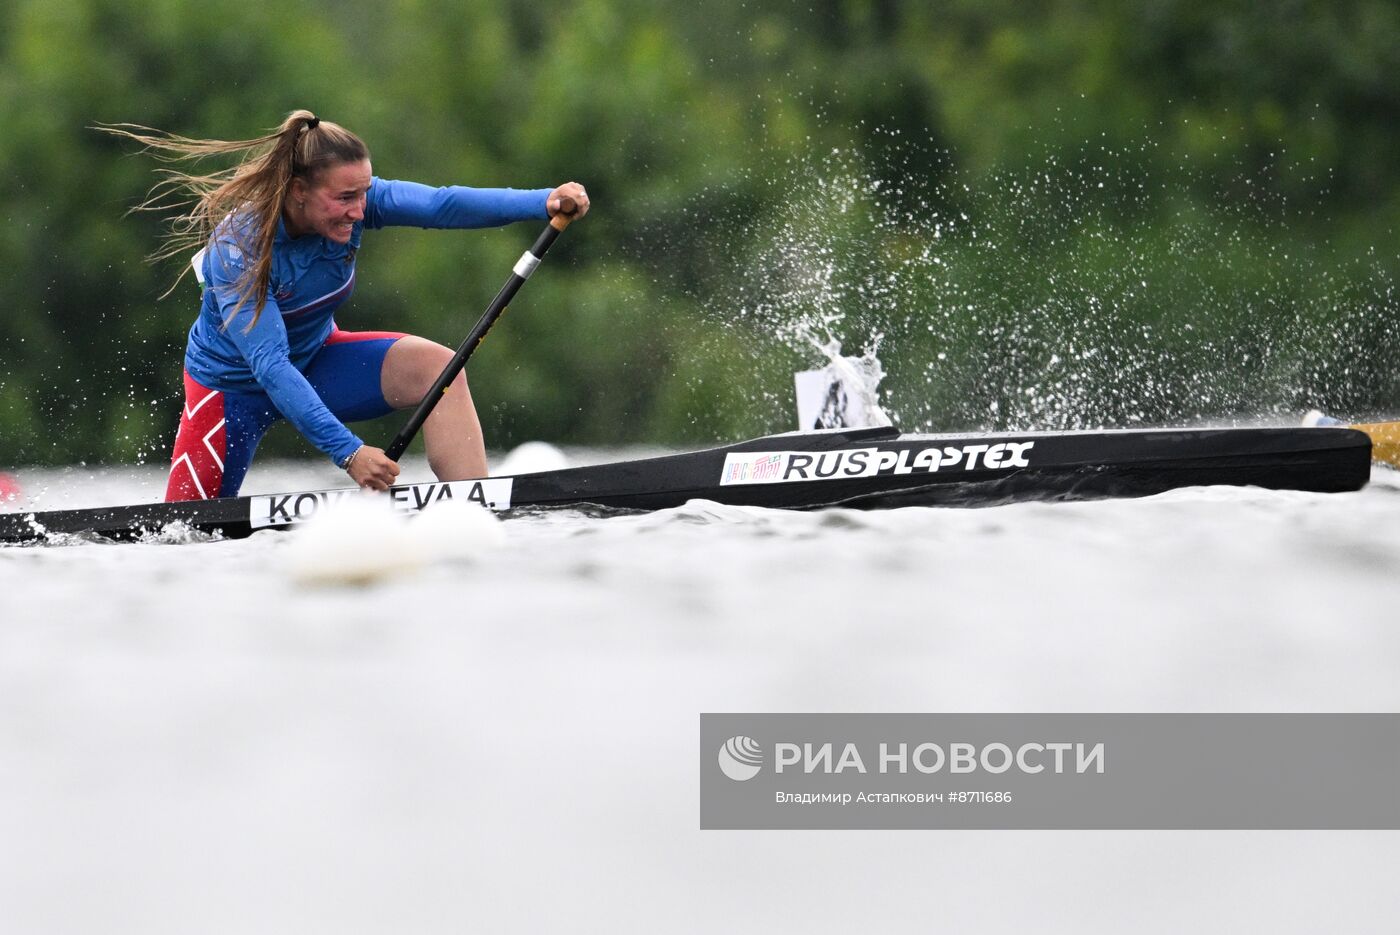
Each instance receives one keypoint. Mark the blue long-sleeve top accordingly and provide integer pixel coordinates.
(310, 277)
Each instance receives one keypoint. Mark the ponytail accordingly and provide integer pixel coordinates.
(244, 201)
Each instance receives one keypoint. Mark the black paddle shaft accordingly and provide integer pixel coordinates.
(523, 269)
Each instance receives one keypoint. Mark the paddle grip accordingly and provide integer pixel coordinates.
(568, 210)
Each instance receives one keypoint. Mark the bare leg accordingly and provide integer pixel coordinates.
(456, 449)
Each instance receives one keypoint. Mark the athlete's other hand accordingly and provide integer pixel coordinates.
(372, 469)
(575, 193)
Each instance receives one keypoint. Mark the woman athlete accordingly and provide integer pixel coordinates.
(280, 233)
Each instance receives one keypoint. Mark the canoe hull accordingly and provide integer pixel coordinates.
(863, 468)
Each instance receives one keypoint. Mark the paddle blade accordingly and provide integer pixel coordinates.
(1385, 441)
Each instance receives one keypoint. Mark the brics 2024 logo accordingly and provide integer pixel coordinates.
(740, 758)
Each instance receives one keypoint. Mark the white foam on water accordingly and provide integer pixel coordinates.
(189, 733)
(358, 542)
(456, 530)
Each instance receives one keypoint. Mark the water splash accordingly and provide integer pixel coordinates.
(1069, 293)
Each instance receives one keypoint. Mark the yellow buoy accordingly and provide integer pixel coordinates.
(1385, 441)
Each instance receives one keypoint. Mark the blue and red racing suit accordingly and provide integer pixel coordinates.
(294, 363)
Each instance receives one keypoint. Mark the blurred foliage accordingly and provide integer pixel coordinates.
(1054, 214)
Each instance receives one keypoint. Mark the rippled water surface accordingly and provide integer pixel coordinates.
(191, 740)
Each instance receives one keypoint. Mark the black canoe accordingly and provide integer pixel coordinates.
(859, 468)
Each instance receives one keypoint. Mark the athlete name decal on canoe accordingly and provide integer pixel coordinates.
(785, 467)
(284, 509)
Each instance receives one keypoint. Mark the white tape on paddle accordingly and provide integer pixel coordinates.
(526, 264)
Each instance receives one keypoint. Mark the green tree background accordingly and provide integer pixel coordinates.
(1042, 215)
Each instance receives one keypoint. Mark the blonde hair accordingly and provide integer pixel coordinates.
(256, 188)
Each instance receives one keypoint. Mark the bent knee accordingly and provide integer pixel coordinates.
(431, 362)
